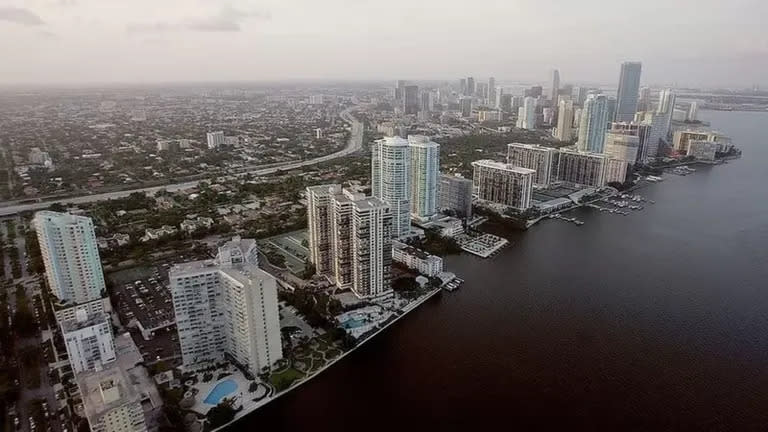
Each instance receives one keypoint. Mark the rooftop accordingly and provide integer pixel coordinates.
(502, 166)
(79, 323)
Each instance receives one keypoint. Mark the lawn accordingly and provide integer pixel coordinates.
(283, 379)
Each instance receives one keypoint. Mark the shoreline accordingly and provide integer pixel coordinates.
(405, 311)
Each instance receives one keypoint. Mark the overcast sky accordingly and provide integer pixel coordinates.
(687, 42)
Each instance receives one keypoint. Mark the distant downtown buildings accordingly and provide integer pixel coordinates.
(227, 306)
(350, 239)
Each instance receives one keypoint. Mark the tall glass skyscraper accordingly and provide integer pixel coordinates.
(425, 171)
(629, 86)
(594, 122)
(391, 180)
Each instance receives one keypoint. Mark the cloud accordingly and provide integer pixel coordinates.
(228, 19)
(20, 16)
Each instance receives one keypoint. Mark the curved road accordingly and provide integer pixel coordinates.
(355, 144)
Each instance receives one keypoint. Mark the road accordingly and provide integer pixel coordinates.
(355, 144)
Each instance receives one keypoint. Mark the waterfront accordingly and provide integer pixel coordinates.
(656, 320)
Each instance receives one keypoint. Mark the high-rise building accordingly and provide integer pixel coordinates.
(492, 91)
(72, 264)
(629, 85)
(594, 122)
(581, 168)
(555, 89)
(88, 340)
(534, 92)
(621, 146)
(526, 115)
(497, 98)
(425, 170)
(215, 139)
(657, 124)
(465, 105)
(535, 157)
(470, 87)
(503, 184)
(391, 179)
(579, 95)
(456, 195)
(702, 150)
(227, 306)
(644, 102)
(693, 112)
(359, 240)
(640, 130)
(667, 99)
(505, 103)
(463, 86)
(615, 170)
(564, 129)
(410, 99)
(427, 102)
(399, 89)
(319, 217)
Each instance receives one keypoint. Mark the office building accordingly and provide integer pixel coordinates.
(410, 99)
(702, 150)
(463, 86)
(505, 103)
(526, 115)
(498, 93)
(579, 95)
(399, 90)
(564, 129)
(581, 168)
(425, 171)
(491, 91)
(470, 87)
(629, 85)
(465, 106)
(535, 157)
(427, 102)
(534, 92)
(120, 396)
(70, 254)
(391, 179)
(621, 146)
(227, 306)
(503, 184)
(89, 341)
(657, 124)
(455, 195)
(555, 89)
(215, 139)
(594, 122)
(644, 101)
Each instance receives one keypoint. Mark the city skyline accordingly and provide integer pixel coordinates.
(147, 42)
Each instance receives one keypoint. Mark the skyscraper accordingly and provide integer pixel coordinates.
(644, 102)
(582, 168)
(564, 129)
(215, 139)
(594, 122)
(470, 87)
(621, 146)
(465, 105)
(399, 89)
(319, 215)
(693, 112)
(498, 97)
(640, 130)
(657, 124)
(553, 92)
(227, 306)
(425, 170)
(535, 157)
(359, 243)
(456, 195)
(492, 91)
(391, 180)
(503, 184)
(629, 85)
(526, 115)
(72, 263)
(666, 108)
(410, 99)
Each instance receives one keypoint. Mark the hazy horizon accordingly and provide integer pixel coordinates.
(97, 42)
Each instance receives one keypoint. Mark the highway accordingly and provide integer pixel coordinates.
(355, 144)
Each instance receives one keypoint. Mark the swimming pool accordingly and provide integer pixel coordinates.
(220, 391)
(353, 323)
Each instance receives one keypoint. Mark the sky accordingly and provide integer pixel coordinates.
(680, 42)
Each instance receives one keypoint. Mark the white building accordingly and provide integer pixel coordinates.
(615, 170)
(621, 146)
(350, 239)
(693, 111)
(526, 115)
(666, 108)
(425, 173)
(391, 179)
(89, 341)
(535, 157)
(503, 184)
(564, 129)
(227, 306)
(70, 254)
(416, 259)
(581, 168)
(594, 122)
(702, 150)
(215, 139)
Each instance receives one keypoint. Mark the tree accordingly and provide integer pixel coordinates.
(222, 413)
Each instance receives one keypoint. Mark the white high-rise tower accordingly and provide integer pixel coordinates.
(391, 180)
(594, 122)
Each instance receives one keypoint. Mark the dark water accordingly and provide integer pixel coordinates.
(653, 321)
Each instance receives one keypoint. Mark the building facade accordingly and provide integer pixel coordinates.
(391, 179)
(89, 341)
(526, 115)
(535, 157)
(581, 168)
(227, 307)
(594, 122)
(371, 248)
(503, 184)
(627, 94)
(425, 171)
(215, 139)
(456, 195)
(416, 259)
(564, 129)
(621, 146)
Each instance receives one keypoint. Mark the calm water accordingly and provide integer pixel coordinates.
(657, 320)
